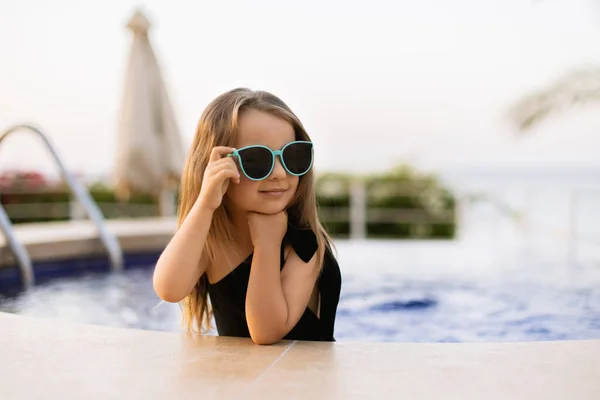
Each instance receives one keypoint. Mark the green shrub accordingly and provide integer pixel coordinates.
(401, 189)
(43, 206)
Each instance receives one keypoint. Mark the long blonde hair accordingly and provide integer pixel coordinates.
(218, 126)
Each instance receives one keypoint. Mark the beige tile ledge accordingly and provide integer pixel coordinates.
(51, 359)
(60, 240)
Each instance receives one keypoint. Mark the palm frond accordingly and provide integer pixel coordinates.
(575, 88)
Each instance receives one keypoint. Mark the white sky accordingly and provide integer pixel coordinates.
(374, 82)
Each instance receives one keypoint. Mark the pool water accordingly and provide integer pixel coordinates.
(392, 291)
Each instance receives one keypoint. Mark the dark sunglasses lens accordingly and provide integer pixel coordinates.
(256, 161)
(298, 157)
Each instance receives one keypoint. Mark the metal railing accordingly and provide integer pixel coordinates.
(109, 240)
(18, 250)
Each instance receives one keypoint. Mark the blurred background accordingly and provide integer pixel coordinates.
(456, 145)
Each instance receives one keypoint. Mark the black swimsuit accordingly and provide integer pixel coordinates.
(228, 296)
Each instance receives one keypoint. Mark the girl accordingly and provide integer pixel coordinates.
(249, 235)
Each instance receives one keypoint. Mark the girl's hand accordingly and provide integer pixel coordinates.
(219, 171)
(267, 230)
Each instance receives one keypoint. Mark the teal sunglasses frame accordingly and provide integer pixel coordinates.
(275, 154)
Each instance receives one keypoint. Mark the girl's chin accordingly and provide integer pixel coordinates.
(268, 210)
(271, 206)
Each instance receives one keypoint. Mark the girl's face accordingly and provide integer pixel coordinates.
(274, 193)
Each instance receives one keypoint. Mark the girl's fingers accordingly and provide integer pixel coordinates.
(218, 165)
(222, 161)
(219, 152)
(228, 174)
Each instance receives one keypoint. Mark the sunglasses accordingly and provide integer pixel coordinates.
(257, 161)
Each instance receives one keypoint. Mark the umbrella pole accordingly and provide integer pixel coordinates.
(166, 203)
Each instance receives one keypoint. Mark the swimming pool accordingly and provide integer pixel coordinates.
(456, 291)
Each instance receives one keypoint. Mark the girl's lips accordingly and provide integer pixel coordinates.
(273, 192)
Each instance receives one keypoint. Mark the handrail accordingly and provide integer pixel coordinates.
(108, 239)
(19, 251)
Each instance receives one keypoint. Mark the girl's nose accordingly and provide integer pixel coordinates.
(278, 170)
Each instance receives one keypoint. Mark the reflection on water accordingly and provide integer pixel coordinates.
(411, 292)
(442, 311)
(116, 299)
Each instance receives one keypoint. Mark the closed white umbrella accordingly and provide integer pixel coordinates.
(150, 154)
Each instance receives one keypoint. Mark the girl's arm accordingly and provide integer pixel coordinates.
(183, 261)
(276, 298)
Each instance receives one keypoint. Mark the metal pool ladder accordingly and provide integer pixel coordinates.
(109, 240)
